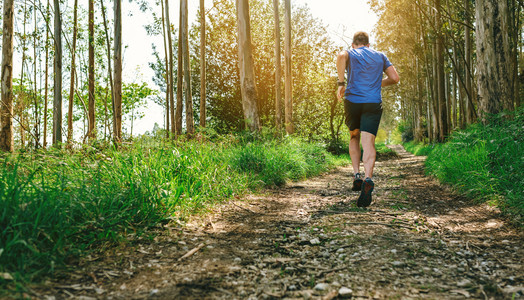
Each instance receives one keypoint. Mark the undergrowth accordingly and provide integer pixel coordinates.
(56, 205)
(485, 162)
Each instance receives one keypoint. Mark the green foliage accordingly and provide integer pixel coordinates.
(57, 205)
(419, 149)
(484, 162)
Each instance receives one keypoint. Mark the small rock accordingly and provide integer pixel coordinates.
(464, 282)
(153, 292)
(398, 263)
(292, 287)
(306, 294)
(315, 241)
(237, 260)
(394, 251)
(340, 250)
(321, 286)
(345, 292)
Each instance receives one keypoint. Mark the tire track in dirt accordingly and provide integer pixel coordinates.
(309, 240)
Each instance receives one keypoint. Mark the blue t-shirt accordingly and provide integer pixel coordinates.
(365, 70)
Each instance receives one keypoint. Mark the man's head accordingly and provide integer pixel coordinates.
(360, 39)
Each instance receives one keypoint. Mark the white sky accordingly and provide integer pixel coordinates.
(343, 17)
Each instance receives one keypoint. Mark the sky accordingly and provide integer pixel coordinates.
(343, 18)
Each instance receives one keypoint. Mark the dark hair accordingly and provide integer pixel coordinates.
(361, 38)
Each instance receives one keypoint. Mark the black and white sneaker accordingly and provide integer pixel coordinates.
(357, 183)
(365, 195)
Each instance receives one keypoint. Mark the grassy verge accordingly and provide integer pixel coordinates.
(57, 205)
(485, 162)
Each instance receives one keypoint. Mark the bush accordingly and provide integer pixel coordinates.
(484, 161)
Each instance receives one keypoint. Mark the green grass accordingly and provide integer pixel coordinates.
(56, 205)
(485, 162)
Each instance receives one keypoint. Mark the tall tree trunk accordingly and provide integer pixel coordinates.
(246, 66)
(20, 104)
(443, 108)
(278, 72)
(57, 101)
(109, 68)
(169, 89)
(287, 68)
(35, 95)
(202, 64)
(435, 97)
(6, 108)
(169, 68)
(494, 80)
(468, 103)
(117, 135)
(91, 89)
(46, 81)
(190, 123)
(179, 82)
(72, 85)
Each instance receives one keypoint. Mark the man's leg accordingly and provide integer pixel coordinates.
(354, 150)
(370, 153)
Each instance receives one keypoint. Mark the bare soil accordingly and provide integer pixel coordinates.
(309, 240)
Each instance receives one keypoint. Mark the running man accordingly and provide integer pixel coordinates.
(363, 105)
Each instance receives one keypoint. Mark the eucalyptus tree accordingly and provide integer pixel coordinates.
(6, 108)
(246, 66)
(278, 113)
(57, 100)
(287, 70)
(190, 123)
(73, 71)
(179, 82)
(202, 64)
(169, 68)
(117, 109)
(495, 78)
(91, 82)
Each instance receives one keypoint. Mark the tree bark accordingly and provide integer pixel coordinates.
(179, 82)
(46, 81)
(109, 68)
(6, 108)
(57, 101)
(190, 123)
(288, 73)
(468, 107)
(494, 80)
(441, 90)
(91, 89)
(246, 66)
(169, 89)
(202, 64)
(72, 85)
(117, 135)
(169, 68)
(278, 71)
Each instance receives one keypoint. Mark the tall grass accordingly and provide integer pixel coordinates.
(485, 162)
(56, 205)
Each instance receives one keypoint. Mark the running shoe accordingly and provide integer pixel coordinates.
(365, 195)
(357, 183)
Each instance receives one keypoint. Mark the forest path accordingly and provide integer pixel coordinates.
(309, 240)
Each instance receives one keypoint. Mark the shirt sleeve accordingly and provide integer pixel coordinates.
(387, 63)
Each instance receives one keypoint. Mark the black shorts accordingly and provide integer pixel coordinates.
(363, 116)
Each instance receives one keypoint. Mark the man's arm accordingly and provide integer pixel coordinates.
(341, 71)
(392, 78)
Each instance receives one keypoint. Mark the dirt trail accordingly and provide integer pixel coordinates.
(309, 240)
